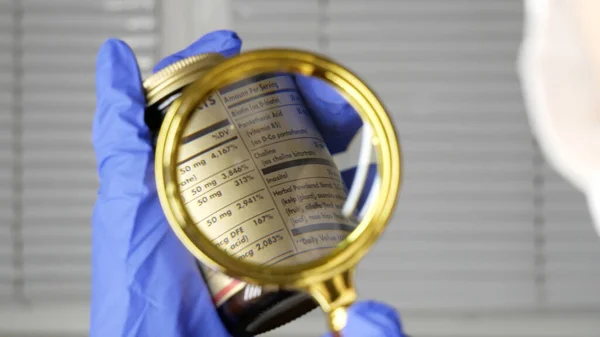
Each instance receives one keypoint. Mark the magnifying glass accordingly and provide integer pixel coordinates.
(247, 179)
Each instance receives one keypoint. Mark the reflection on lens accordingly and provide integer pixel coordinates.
(257, 177)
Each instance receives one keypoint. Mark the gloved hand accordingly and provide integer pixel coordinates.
(144, 282)
(372, 319)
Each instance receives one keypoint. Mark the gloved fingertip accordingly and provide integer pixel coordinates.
(366, 308)
(115, 57)
(336, 118)
(112, 51)
(120, 100)
(320, 89)
(231, 44)
(111, 45)
(374, 318)
(225, 42)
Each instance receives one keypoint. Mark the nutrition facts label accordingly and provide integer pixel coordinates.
(256, 176)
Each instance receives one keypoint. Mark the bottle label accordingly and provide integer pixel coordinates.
(221, 286)
(256, 177)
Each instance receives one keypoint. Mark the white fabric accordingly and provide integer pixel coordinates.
(561, 90)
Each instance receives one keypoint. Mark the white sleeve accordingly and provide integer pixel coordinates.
(561, 90)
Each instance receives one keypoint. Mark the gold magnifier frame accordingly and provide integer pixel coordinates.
(329, 279)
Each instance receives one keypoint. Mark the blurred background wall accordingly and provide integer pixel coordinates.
(487, 239)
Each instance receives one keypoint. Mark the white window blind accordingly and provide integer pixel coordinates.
(6, 150)
(570, 244)
(462, 236)
(482, 225)
(47, 59)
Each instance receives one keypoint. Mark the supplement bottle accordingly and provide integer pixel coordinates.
(245, 310)
(256, 177)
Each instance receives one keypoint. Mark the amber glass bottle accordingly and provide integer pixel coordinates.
(246, 310)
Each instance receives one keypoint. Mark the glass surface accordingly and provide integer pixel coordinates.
(265, 168)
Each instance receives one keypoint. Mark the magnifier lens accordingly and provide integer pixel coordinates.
(276, 169)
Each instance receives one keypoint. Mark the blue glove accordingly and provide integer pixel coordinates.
(372, 319)
(337, 122)
(144, 282)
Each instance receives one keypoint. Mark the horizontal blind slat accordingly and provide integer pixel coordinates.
(506, 9)
(88, 6)
(393, 29)
(8, 270)
(244, 10)
(42, 23)
(56, 61)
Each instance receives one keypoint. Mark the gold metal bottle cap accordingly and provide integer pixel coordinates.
(178, 75)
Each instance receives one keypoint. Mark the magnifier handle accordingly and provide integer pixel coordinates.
(338, 319)
(335, 296)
